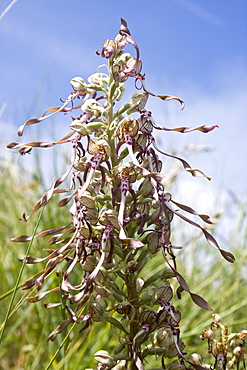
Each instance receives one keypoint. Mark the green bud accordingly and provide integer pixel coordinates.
(123, 308)
(147, 187)
(149, 317)
(163, 292)
(132, 266)
(122, 109)
(85, 232)
(172, 351)
(138, 102)
(103, 291)
(109, 216)
(175, 365)
(97, 312)
(153, 242)
(101, 277)
(163, 338)
(90, 263)
(167, 274)
(87, 200)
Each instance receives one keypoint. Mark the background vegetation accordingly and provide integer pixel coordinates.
(24, 345)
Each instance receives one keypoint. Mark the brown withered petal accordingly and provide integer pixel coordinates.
(197, 299)
(210, 239)
(60, 328)
(52, 305)
(124, 28)
(187, 167)
(36, 120)
(26, 238)
(171, 97)
(134, 243)
(40, 296)
(41, 203)
(205, 218)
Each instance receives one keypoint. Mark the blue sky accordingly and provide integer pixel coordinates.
(196, 50)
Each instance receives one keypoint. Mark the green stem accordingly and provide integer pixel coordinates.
(133, 298)
(19, 277)
(110, 132)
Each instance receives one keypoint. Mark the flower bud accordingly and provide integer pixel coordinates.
(216, 320)
(163, 292)
(103, 291)
(138, 102)
(132, 266)
(196, 359)
(172, 351)
(101, 277)
(97, 312)
(87, 200)
(109, 216)
(89, 264)
(175, 365)
(104, 358)
(98, 79)
(167, 274)
(207, 334)
(153, 242)
(163, 338)
(93, 107)
(109, 49)
(139, 284)
(78, 126)
(79, 85)
(238, 352)
(146, 187)
(149, 318)
(123, 308)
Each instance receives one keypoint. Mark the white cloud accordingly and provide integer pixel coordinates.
(200, 12)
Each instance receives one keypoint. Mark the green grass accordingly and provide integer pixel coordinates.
(24, 344)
